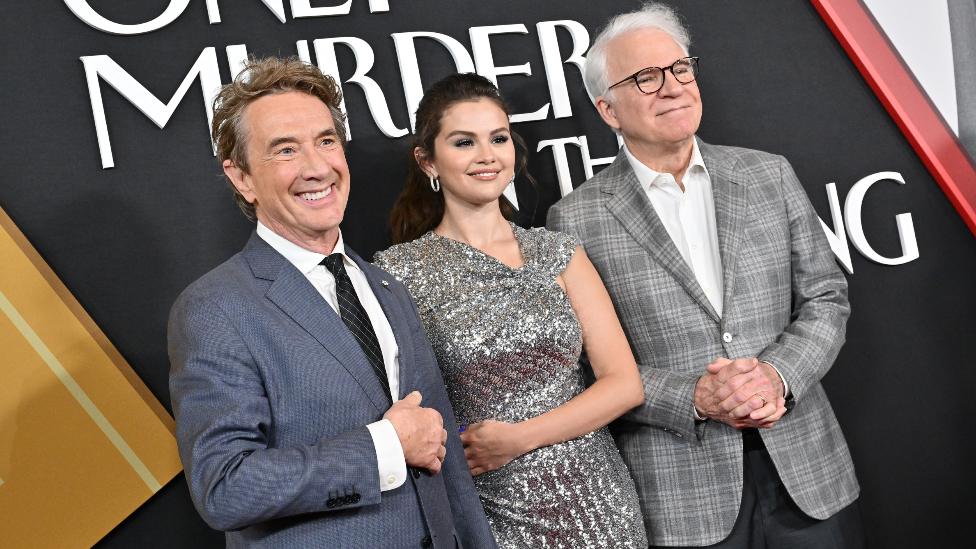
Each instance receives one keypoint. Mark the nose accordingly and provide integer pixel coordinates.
(486, 155)
(317, 166)
(671, 87)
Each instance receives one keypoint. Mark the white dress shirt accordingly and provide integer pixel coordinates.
(389, 452)
(689, 218)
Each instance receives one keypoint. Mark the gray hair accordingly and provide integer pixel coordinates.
(652, 15)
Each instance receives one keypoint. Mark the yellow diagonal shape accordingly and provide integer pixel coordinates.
(83, 442)
(76, 391)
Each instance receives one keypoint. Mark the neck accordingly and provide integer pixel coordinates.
(672, 158)
(322, 243)
(477, 226)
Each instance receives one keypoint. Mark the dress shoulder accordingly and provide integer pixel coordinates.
(402, 260)
(550, 250)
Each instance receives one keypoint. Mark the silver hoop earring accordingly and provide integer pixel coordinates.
(435, 183)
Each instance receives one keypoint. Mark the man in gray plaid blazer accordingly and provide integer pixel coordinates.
(733, 305)
(310, 411)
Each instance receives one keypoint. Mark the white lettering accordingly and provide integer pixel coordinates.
(837, 238)
(906, 228)
(277, 7)
(375, 98)
(553, 63)
(86, 13)
(485, 63)
(102, 66)
(413, 89)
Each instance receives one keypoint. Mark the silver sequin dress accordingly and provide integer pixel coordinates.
(508, 343)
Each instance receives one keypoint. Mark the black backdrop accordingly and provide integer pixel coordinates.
(126, 240)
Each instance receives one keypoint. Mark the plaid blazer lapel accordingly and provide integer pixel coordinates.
(731, 201)
(631, 207)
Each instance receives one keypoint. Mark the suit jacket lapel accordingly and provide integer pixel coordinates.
(291, 292)
(731, 201)
(394, 315)
(633, 210)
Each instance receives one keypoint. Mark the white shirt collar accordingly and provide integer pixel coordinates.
(649, 178)
(303, 260)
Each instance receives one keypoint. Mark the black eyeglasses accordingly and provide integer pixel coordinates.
(651, 79)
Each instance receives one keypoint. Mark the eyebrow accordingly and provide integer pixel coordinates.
(472, 134)
(292, 139)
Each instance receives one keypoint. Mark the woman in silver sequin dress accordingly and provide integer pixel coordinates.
(508, 312)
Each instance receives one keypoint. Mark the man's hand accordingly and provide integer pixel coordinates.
(491, 444)
(741, 393)
(421, 432)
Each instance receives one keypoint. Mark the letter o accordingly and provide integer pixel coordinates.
(86, 13)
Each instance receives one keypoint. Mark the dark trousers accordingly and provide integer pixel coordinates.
(768, 518)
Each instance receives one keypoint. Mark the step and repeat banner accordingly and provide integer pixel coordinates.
(112, 202)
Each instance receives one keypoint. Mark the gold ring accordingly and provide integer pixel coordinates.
(762, 398)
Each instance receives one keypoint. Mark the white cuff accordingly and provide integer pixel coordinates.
(698, 417)
(389, 455)
(786, 386)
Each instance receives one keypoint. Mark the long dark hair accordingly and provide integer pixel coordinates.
(419, 209)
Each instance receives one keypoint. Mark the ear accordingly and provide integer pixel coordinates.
(423, 160)
(607, 112)
(240, 179)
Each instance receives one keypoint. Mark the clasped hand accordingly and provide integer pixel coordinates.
(421, 432)
(742, 393)
(491, 444)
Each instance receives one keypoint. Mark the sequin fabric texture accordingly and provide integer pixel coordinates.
(508, 343)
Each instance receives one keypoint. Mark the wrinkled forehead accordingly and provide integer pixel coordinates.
(640, 48)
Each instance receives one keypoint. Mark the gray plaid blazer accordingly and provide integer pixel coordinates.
(272, 396)
(785, 302)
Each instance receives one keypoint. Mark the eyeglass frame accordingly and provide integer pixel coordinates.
(664, 76)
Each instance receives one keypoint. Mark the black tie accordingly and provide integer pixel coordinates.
(355, 318)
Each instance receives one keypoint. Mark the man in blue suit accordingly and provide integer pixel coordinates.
(310, 411)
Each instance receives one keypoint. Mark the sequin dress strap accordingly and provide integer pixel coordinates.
(548, 251)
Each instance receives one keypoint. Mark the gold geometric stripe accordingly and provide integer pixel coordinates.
(78, 393)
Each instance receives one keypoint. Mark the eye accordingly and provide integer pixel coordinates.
(648, 77)
(287, 151)
(499, 139)
(328, 142)
(463, 142)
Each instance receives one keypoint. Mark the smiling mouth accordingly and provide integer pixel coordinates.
(487, 176)
(669, 111)
(318, 195)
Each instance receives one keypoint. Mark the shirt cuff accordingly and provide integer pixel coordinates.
(786, 386)
(698, 417)
(389, 455)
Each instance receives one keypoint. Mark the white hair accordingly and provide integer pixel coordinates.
(652, 15)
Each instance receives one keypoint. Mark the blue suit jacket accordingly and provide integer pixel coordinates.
(272, 396)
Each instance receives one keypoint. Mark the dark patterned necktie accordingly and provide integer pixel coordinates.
(355, 318)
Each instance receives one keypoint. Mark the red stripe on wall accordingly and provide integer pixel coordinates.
(904, 99)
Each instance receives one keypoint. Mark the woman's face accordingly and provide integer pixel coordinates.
(474, 155)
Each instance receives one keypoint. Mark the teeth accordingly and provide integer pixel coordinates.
(316, 196)
(486, 175)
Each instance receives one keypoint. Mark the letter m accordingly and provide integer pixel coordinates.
(102, 66)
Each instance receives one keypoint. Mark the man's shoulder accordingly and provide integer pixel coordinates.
(738, 157)
(221, 283)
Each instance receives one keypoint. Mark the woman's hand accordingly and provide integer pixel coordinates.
(491, 444)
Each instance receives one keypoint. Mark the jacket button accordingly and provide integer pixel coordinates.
(415, 472)
(426, 542)
(330, 503)
(355, 498)
(727, 337)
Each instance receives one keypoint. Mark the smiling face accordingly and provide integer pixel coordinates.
(297, 175)
(474, 155)
(667, 119)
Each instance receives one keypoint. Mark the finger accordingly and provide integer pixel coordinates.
(743, 410)
(763, 413)
(434, 466)
(737, 366)
(731, 386)
(413, 399)
(746, 386)
(441, 453)
(443, 436)
(465, 439)
(716, 365)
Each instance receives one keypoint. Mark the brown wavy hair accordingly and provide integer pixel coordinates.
(261, 77)
(419, 209)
